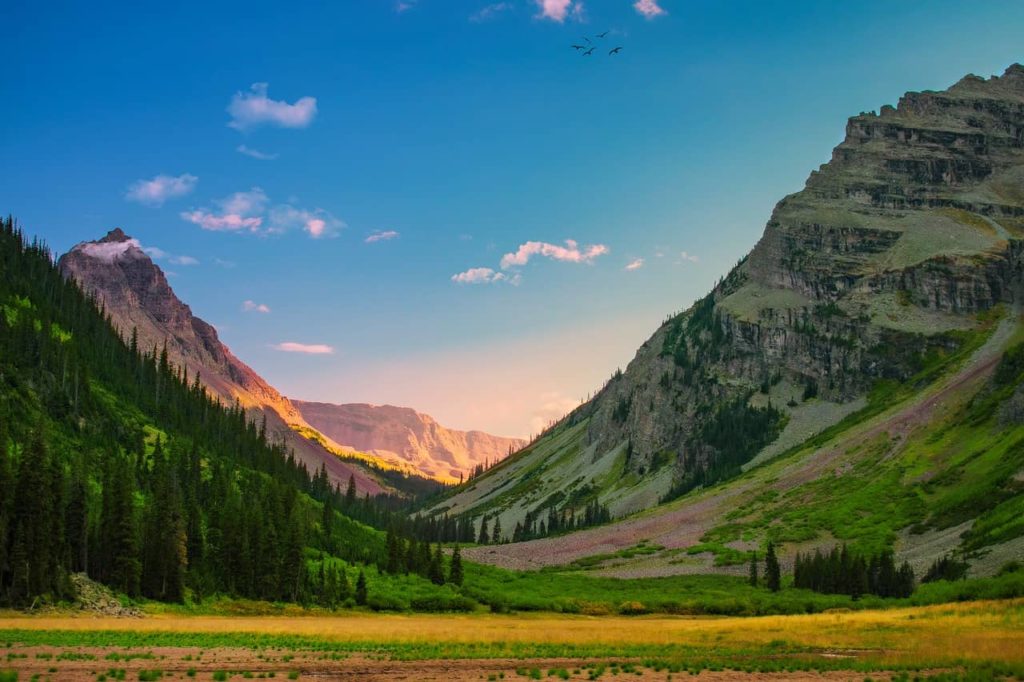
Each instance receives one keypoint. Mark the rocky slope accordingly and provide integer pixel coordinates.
(135, 294)
(895, 255)
(407, 438)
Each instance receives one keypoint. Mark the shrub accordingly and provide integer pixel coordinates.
(632, 608)
(383, 602)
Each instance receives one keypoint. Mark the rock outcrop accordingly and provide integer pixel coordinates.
(405, 437)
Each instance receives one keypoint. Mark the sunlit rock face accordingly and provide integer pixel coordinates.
(406, 437)
(134, 292)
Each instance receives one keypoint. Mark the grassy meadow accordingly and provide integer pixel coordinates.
(973, 640)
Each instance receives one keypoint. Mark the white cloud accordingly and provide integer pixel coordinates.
(157, 253)
(479, 276)
(308, 348)
(108, 252)
(224, 263)
(252, 109)
(635, 264)
(381, 236)
(569, 253)
(489, 12)
(649, 8)
(404, 5)
(255, 153)
(316, 223)
(248, 212)
(161, 188)
(559, 10)
(684, 256)
(552, 406)
(254, 307)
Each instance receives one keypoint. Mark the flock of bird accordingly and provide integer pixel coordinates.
(589, 48)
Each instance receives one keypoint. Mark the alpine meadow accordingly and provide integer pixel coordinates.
(428, 228)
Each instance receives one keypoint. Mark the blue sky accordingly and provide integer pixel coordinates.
(460, 131)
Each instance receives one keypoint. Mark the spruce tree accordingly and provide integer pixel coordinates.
(361, 589)
(772, 572)
(455, 574)
(753, 569)
(436, 573)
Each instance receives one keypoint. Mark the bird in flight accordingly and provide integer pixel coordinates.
(586, 39)
(577, 47)
(615, 51)
(587, 53)
(602, 35)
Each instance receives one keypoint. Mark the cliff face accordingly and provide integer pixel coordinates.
(888, 254)
(403, 436)
(134, 292)
(912, 228)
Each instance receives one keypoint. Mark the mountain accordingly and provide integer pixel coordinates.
(405, 437)
(346, 438)
(856, 378)
(134, 292)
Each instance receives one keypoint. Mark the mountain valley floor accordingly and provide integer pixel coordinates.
(971, 640)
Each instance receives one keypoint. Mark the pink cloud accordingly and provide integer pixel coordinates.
(479, 276)
(635, 264)
(307, 348)
(254, 307)
(228, 222)
(558, 10)
(381, 236)
(649, 8)
(252, 109)
(570, 253)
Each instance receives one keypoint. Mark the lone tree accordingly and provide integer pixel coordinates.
(455, 575)
(361, 589)
(772, 573)
(753, 569)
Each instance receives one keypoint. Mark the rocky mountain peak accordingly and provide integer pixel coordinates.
(115, 235)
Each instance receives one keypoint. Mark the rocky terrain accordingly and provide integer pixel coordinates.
(898, 251)
(135, 294)
(404, 437)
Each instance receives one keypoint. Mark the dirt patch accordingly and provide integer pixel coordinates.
(238, 663)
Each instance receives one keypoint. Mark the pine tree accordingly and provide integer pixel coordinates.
(455, 574)
(436, 573)
(361, 589)
(484, 536)
(496, 533)
(772, 572)
(753, 569)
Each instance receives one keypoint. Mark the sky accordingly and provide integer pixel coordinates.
(442, 204)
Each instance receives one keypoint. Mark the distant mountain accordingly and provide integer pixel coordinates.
(857, 377)
(407, 438)
(135, 294)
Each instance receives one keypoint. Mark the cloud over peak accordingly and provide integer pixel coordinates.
(161, 188)
(254, 108)
(307, 348)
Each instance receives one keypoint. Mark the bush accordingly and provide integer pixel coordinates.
(438, 603)
(632, 608)
(382, 602)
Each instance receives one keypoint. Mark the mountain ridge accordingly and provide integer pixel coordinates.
(135, 293)
(890, 261)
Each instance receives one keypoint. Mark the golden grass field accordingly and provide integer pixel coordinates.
(943, 637)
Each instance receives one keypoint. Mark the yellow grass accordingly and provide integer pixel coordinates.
(975, 631)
